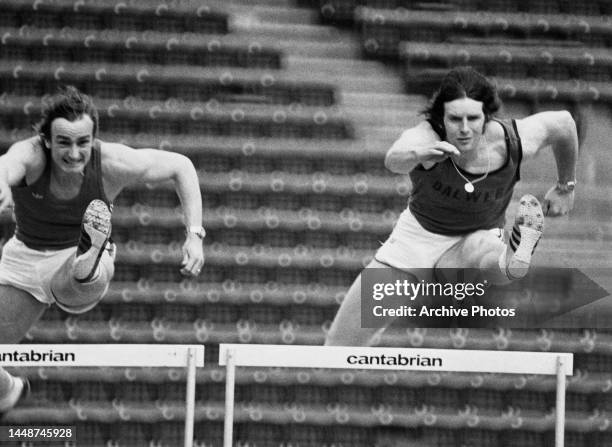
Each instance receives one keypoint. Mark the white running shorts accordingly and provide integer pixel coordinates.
(410, 246)
(31, 270)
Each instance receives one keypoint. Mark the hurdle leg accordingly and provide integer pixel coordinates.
(190, 397)
(230, 378)
(560, 410)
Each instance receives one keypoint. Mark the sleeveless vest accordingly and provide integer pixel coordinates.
(441, 205)
(45, 222)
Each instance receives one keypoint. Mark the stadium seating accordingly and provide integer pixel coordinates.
(296, 200)
(342, 11)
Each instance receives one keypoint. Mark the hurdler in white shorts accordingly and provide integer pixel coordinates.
(410, 246)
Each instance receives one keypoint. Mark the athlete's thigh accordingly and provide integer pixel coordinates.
(469, 251)
(18, 312)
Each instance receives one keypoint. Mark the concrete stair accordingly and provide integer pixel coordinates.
(369, 93)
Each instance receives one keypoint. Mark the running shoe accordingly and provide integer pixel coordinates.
(526, 233)
(95, 233)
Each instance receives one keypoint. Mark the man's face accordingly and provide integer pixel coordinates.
(464, 123)
(71, 143)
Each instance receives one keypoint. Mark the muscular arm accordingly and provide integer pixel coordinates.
(418, 145)
(123, 166)
(14, 166)
(555, 130)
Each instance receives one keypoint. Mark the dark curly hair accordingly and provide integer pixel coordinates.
(69, 103)
(462, 82)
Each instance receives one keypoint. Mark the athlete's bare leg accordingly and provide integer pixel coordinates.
(346, 328)
(77, 297)
(82, 280)
(482, 252)
(19, 312)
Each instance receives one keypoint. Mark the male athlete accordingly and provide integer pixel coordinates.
(62, 183)
(463, 165)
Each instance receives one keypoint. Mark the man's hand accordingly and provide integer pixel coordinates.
(6, 197)
(193, 255)
(557, 203)
(438, 152)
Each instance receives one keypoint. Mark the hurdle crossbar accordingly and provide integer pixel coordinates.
(403, 359)
(116, 355)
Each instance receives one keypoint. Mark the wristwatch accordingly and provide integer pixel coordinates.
(199, 231)
(566, 187)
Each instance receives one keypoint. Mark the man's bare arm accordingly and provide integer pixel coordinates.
(124, 166)
(418, 145)
(555, 130)
(14, 166)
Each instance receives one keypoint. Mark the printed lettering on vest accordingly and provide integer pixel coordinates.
(452, 192)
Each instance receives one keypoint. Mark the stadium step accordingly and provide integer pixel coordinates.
(384, 29)
(365, 152)
(126, 83)
(285, 14)
(184, 17)
(273, 30)
(392, 101)
(530, 90)
(145, 48)
(198, 118)
(523, 62)
(336, 67)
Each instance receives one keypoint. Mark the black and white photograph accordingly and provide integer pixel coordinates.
(305, 223)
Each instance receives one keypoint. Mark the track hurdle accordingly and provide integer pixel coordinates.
(419, 359)
(119, 355)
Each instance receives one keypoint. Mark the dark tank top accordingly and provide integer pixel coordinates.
(45, 222)
(441, 205)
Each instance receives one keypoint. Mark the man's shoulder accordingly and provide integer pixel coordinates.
(29, 150)
(422, 132)
(112, 153)
(543, 128)
(31, 145)
(110, 148)
(548, 120)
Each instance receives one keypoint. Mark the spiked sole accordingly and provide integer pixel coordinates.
(526, 233)
(95, 232)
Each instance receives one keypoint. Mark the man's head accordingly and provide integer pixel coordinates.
(68, 127)
(459, 83)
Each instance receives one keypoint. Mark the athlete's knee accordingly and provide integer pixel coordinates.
(480, 244)
(77, 297)
(482, 241)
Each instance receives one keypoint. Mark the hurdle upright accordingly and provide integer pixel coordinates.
(116, 355)
(418, 359)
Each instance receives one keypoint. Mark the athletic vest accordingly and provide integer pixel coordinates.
(441, 205)
(45, 222)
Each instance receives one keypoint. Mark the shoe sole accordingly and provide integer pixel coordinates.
(529, 215)
(95, 233)
(526, 233)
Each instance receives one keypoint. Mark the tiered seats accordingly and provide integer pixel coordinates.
(146, 47)
(520, 61)
(296, 201)
(555, 49)
(342, 11)
(383, 29)
(184, 16)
